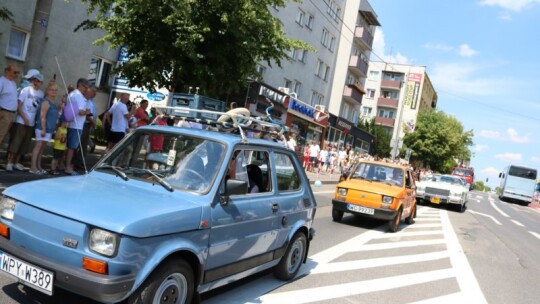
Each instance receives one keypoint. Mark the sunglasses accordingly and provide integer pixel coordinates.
(16, 72)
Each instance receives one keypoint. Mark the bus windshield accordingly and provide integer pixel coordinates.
(522, 172)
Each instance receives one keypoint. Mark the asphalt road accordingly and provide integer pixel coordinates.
(489, 254)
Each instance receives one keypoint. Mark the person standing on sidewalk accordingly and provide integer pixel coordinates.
(314, 150)
(119, 121)
(8, 99)
(46, 118)
(23, 129)
(89, 124)
(76, 126)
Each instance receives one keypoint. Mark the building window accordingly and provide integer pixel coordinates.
(300, 18)
(297, 86)
(18, 44)
(370, 93)
(287, 83)
(100, 73)
(260, 69)
(309, 22)
(301, 55)
(332, 44)
(366, 111)
(325, 40)
(374, 75)
(316, 98)
(386, 113)
(390, 94)
(322, 70)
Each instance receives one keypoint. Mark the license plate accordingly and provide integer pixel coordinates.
(361, 209)
(33, 276)
(435, 200)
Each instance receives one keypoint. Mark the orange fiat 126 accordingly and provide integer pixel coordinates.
(380, 190)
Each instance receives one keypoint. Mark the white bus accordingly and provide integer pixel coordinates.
(518, 183)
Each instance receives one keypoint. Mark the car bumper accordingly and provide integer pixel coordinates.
(381, 214)
(102, 288)
(442, 199)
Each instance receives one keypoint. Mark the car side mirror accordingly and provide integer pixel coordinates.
(233, 187)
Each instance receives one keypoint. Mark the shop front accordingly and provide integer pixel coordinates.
(343, 133)
(259, 97)
(307, 122)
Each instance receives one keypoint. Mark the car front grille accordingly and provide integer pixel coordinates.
(437, 192)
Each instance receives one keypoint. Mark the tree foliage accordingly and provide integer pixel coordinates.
(438, 141)
(480, 186)
(213, 44)
(382, 138)
(6, 14)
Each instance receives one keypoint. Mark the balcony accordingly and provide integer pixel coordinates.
(391, 84)
(358, 65)
(385, 121)
(387, 102)
(363, 36)
(352, 93)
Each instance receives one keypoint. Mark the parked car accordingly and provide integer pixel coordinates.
(171, 212)
(467, 173)
(379, 190)
(443, 189)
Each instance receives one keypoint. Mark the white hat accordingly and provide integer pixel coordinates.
(33, 73)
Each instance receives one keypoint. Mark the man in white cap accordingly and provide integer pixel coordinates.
(8, 99)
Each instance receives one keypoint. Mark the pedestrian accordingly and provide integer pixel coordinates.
(291, 144)
(8, 99)
(21, 140)
(141, 115)
(306, 157)
(314, 150)
(118, 116)
(88, 126)
(75, 127)
(59, 148)
(46, 118)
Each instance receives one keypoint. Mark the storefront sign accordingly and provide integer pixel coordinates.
(273, 95)
(301, 108)
(344, 126)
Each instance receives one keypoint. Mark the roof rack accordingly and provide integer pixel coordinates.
(237, 119)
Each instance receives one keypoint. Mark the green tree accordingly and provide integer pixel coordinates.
(438, 140)
(6, 14)
(213, 44)
(382, 138)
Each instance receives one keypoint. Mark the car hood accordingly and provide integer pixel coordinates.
(439, 185)
(372, 186)
(123, 207)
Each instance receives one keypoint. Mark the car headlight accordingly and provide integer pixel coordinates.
(103, 242)
(387, 199)
(455, 193)
(342, 191)
(7, 207)
(421, 188)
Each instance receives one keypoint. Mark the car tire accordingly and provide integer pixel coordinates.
(173, 280)
(393, 224)
(410, 219)
(291, 262)
(336, 215)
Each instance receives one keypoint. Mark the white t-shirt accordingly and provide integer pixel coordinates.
(119, 122)
(77, 96)
(342, 154)
(314, 150)
(8, 94)
(31, 100)
(291, 144)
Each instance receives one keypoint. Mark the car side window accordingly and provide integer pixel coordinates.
(408, 180)
(287, 176)
(251, 166)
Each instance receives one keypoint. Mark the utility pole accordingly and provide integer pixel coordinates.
(38, 35)
(401, 104)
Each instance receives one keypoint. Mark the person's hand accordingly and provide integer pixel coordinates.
(43, 132)
(25, 120)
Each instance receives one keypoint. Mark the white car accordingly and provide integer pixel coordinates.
(443, 189)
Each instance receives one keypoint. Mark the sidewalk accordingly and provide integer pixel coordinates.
(324, 178)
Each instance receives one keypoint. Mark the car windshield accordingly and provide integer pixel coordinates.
(445, 179)
(379, 173)
(176, 161)
(462, 171)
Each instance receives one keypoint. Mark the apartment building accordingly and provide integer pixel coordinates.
(325, 87)
(395, 94)
(42, 37)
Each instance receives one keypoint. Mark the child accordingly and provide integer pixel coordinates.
(60, 146)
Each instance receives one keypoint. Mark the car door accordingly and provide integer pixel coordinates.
(243, 233)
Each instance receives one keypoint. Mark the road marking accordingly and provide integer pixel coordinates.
(466, 280)
(486, 215)
(535, 234)
(450, 298)
(518, 223)
(492, 202)
(318, 294)
(393, 245)
(424, 226)
(479, 197)
(408, 233)
(371, 263)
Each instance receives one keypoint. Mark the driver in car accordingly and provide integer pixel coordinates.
(397, 176)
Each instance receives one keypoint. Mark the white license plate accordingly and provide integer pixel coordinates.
(361, 209)
(28, 274)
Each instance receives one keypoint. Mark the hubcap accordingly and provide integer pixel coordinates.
(295, 256)
(172, 290)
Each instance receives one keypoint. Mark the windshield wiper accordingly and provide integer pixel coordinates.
(160, 180)
(116, 170)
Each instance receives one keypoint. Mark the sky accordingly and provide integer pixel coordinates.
(483, 58)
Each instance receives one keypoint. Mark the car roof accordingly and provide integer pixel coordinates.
(392, 165)
(221, 136)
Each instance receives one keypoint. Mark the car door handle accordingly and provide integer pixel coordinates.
(275, 207)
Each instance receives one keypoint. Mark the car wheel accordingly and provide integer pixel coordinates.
(394, 223)
(290, 263)
(463, 207)
(172, 282)
(410, 219)
(336, 215)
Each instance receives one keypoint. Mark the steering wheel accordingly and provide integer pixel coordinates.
(196, 174)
